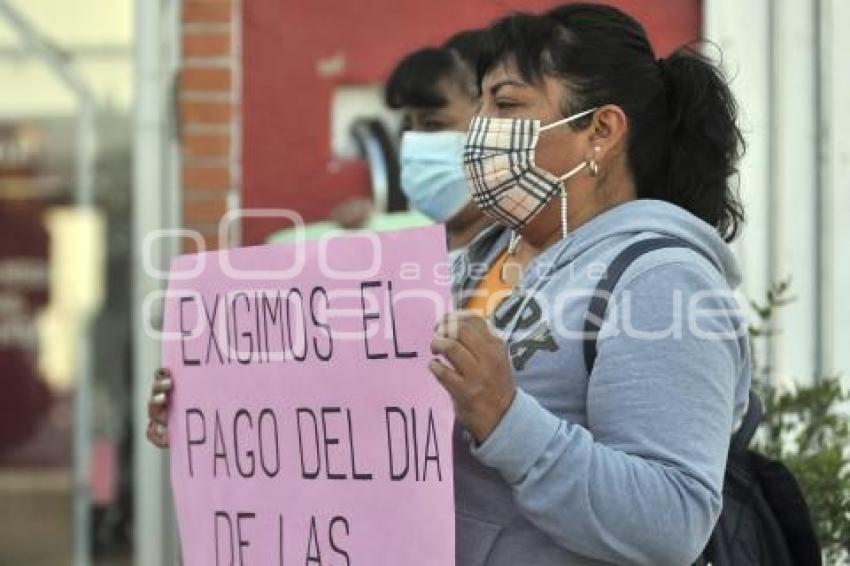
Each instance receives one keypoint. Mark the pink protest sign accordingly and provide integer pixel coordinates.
(305, 427)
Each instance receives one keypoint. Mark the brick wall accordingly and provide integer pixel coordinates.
(209, 102)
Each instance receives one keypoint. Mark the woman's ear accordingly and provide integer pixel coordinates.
(607, 131)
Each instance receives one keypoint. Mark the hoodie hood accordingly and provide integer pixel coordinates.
(601, 235)
(647, 216)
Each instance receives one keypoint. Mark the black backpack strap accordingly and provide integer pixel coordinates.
(599, 302)
(742, 437)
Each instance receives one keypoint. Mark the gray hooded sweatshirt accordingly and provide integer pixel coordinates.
(623, 466)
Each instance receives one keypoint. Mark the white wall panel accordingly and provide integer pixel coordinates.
(794, 229)
(741, 32)
(836, 96)
(786, 73)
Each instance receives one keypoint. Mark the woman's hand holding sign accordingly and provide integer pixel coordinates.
(479, 378)
(158, 403)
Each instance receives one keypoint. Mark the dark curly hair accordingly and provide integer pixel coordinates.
(683, 143)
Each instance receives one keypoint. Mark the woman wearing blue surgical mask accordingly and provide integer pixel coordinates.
(436, 90)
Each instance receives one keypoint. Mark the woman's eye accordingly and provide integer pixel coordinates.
(506, 104)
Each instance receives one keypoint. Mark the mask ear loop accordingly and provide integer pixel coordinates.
(515, 238)
(569, 119)
(572, 171)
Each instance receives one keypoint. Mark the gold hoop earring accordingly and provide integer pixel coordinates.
(593, 166)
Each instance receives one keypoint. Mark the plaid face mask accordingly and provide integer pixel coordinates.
(505, 182)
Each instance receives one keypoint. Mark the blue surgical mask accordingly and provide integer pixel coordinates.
(432, 174)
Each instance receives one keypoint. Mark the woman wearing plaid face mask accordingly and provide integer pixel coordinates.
(586, 143)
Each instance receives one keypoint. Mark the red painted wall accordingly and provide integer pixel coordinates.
(287, 159)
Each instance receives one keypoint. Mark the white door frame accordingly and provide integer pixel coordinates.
(789, 64)
(156, 211)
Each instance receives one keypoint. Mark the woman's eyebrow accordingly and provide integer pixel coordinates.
(507, 82)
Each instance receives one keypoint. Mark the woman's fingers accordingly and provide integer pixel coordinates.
(448, 378)
(468, 328)
(158, 408)
(162, 380)
(157, 434)
(160, 396)
(462, 359)
(162, 385)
